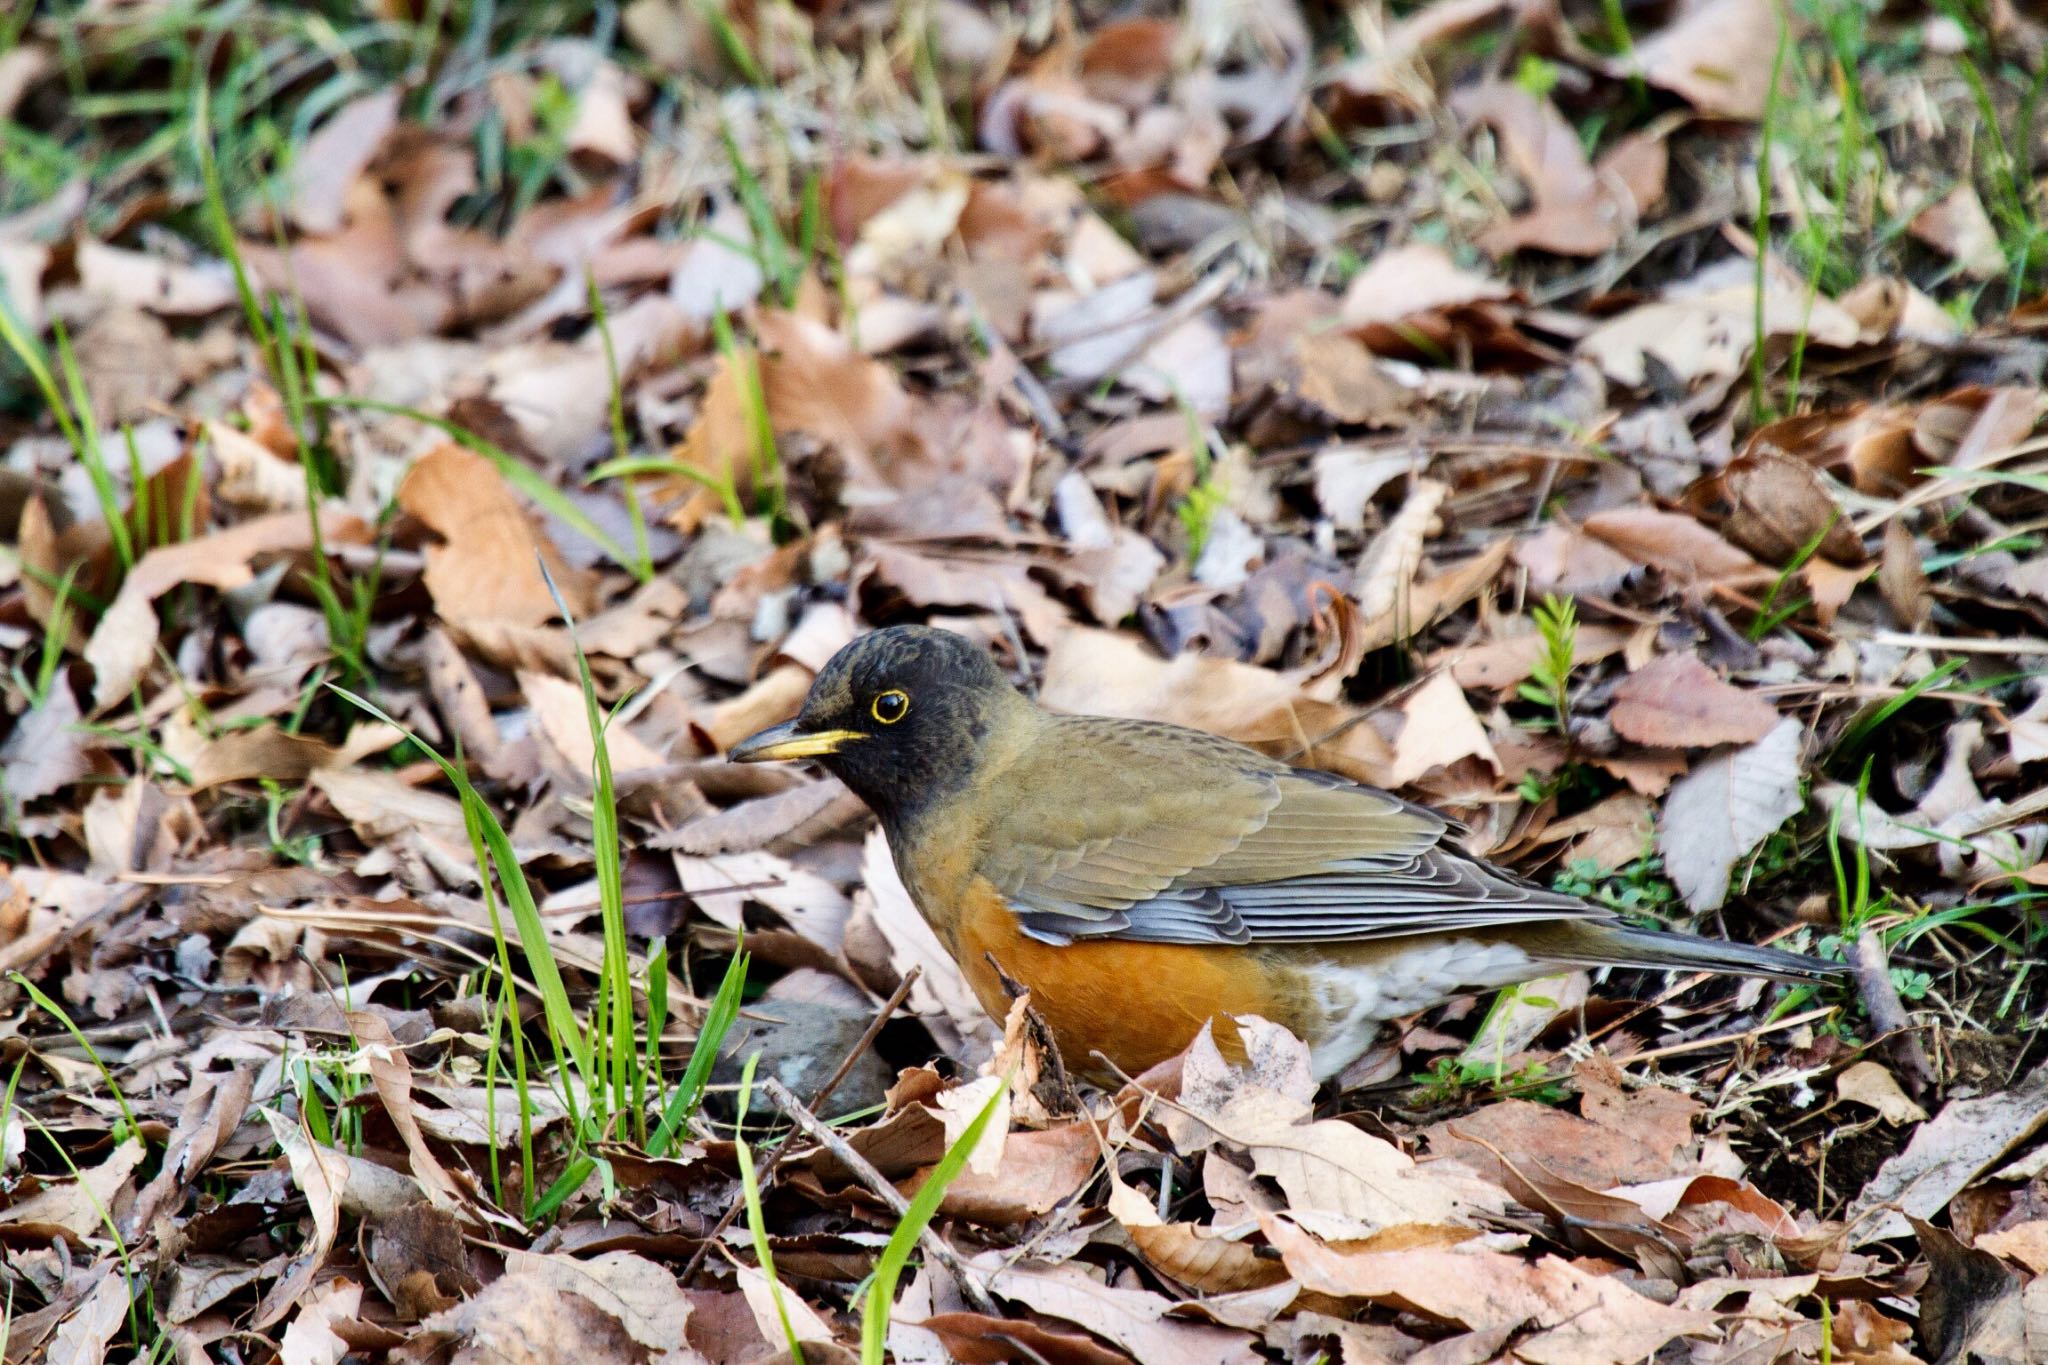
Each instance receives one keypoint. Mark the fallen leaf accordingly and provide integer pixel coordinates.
(1869, 1083)
(1438, 730)
(1677, 702)
(151, 282)
(488, 566)
(1412, 279)
(1716, 55)
(1781, 507)
(339, 150)
(1959, 226)
(1134, 1319)
(1580, 1318)
(123, 644)
(1705, 327)
(1945, 1154)
(1572, 212)
(1725, 807)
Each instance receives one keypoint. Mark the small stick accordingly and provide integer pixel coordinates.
(818, 1097)
(825, 1136)
(1888, 1012)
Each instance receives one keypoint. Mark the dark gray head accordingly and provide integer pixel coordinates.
(901, 716)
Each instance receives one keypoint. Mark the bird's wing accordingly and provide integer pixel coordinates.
(1162, 835)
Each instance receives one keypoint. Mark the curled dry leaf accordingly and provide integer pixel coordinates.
(1779, 507)
(1204, 1259)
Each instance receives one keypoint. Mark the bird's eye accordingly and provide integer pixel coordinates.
(890, 707)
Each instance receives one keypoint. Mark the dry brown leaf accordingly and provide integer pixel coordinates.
(1959, 226)
(391, 1075)
(1501, 664)
(79, 1206)
(1780, 506)
(251, 474)
(1437, 730)
(1945, 1154)
(123, 644)
(1035, 1171)
(1677, 702)
(1203, 1259)
(1386, 570)
(320, 1174)
(1134, 1319)
(46, 751)
(1869, 1083)
(1339, 375)
(1412, 279)
(1716, 55)
(1676, 544)
(1704, 327)
(339, 150)
(1902, 579)
(138, 279)
(1572, 211)
(1579, 1318)
(615, 1307)
(2026, 1243)
(488, 566)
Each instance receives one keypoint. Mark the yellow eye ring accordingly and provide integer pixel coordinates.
(890, 707)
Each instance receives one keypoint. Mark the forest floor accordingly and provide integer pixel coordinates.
(434, 432)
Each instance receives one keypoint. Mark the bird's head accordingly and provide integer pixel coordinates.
(902, 715)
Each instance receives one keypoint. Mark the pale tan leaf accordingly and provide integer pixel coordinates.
(1725, 807)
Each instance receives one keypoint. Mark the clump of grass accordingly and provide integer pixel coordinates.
(597, 1052)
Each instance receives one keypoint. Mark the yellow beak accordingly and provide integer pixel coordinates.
(785, 741)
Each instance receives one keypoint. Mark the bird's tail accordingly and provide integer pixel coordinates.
(1610, 945)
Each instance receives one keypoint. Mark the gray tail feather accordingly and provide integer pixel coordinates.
(1618, 947)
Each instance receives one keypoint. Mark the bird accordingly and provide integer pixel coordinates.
(1142, 880)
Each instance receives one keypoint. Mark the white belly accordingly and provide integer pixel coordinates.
(1357, 1000)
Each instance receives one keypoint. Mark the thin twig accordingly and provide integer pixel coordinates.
(818, 1097)
(1888, 1013)
(825, 1136)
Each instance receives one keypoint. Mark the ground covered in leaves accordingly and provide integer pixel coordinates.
(1614, 423)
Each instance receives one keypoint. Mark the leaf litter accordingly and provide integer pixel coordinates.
(1275, 369)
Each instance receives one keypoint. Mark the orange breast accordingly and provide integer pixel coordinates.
(1135, 1003)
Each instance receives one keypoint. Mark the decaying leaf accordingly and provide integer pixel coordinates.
(1726, 806)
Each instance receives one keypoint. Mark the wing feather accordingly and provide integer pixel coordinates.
(1187, 838)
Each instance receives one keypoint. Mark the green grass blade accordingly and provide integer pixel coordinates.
(874, 1322)
(719, 1018)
